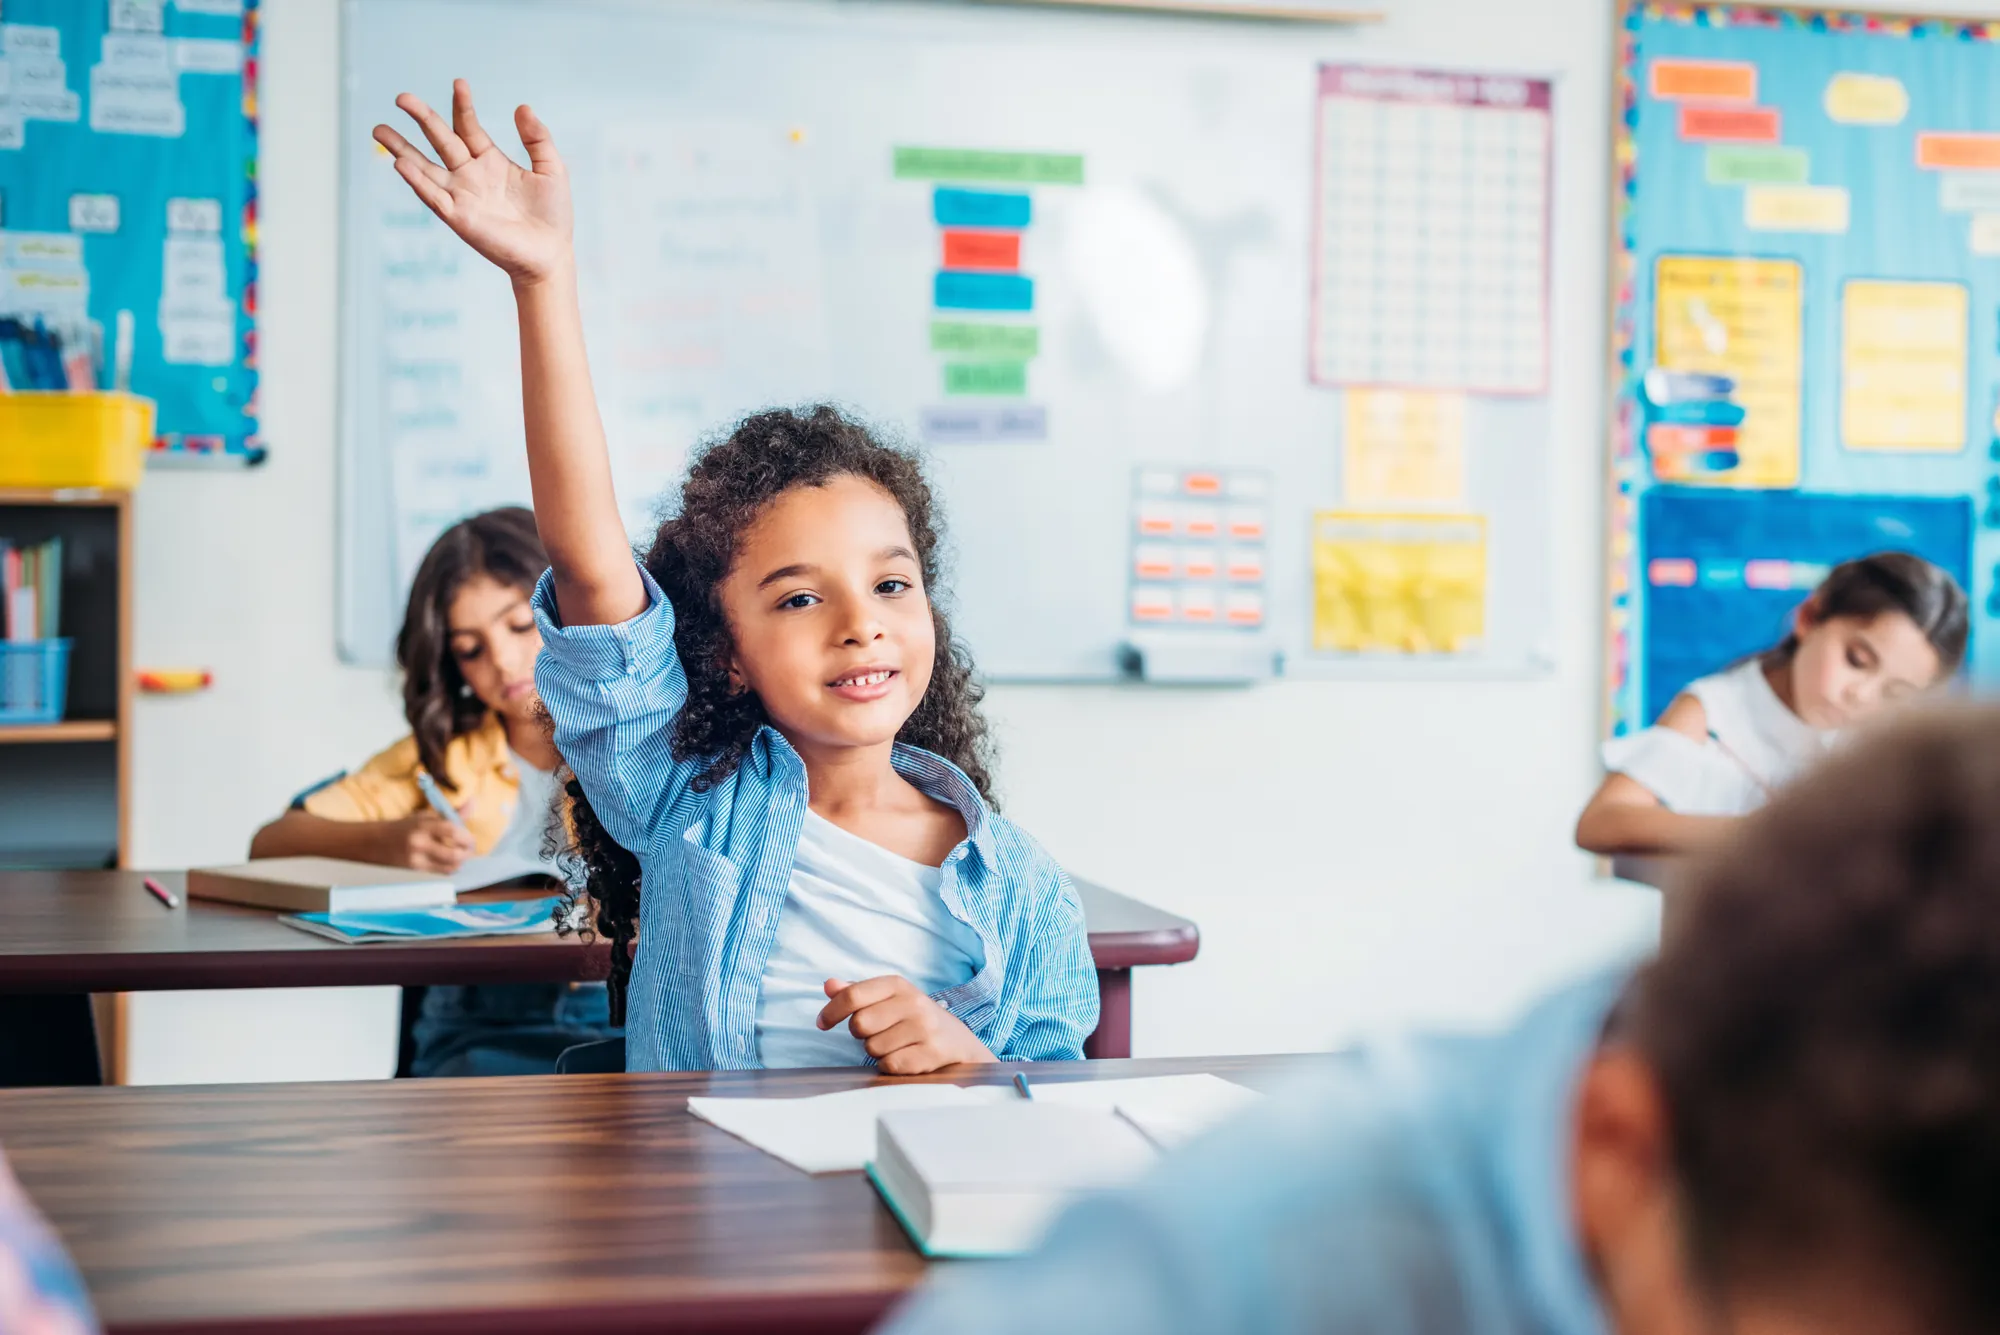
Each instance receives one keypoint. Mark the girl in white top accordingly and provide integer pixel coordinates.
(1877, 631)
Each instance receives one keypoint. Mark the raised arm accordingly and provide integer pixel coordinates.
(519, 218)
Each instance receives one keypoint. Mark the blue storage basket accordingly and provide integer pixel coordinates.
(34, 682)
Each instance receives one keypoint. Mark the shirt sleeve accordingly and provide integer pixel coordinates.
(383, 789)
(1048, 1003)
(1690, 777)
(40, 1290)
(614, 693)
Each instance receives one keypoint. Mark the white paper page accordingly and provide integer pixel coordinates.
(1168, 1109)
(831, 1133)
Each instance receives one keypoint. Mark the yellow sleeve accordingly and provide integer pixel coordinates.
(383, 789)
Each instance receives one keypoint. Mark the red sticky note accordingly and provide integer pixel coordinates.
(1730, 125)
(982, 250)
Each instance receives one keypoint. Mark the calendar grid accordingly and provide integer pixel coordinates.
(1431, 243)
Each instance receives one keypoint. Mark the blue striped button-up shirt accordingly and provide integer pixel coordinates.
(716, 866)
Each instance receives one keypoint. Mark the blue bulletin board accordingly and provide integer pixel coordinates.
(1806, 330)
(128, 183)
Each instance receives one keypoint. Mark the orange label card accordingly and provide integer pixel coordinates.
(1702, 80)
(1959, 152)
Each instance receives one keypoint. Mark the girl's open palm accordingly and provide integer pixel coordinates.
(518, 218)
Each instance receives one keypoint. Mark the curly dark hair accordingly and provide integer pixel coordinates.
(729, 484)
(1824, 1021)
(501, 544)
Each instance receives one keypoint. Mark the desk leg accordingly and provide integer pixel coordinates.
(1114, 1016)
(47, 1040)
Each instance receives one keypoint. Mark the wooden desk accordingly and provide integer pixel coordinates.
(99, 931)
(543, 1203)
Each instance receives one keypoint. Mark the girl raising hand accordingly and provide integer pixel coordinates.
(770, 726)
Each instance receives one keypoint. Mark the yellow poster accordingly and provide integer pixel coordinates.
(1742, 318)
(1404, 448)
(1903, 365)
(1408, 584)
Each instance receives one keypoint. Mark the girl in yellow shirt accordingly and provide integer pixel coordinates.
(467, 650)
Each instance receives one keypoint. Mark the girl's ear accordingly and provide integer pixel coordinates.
(1806, 617)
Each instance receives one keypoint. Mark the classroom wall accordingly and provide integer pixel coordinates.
(1358, 855)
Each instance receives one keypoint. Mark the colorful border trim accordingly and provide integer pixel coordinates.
(247, 449)
(1627, 464)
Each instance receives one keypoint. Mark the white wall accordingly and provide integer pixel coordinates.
(1357, 855)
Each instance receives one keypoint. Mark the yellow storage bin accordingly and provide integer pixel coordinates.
(54, 439)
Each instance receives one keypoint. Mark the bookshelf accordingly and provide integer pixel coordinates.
(65, 787)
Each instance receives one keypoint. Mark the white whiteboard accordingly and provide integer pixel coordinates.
(744, 240)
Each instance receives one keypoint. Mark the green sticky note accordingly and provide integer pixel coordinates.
(1015, 342)
(986, 377)
(1756, 164)
(978, 164)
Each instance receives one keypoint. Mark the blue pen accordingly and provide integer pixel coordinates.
(436, 799)
(1021, 1083)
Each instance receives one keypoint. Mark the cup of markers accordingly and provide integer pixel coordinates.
(1692, 425)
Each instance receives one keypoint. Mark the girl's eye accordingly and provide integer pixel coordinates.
(467, 655)
(799, 600)
(893, 586)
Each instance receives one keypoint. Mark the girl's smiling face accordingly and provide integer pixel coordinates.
(829, 617)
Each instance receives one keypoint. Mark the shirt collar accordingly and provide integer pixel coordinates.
(943, 781)
(1532, 1130)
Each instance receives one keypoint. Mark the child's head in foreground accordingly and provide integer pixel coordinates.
(1795, 1124)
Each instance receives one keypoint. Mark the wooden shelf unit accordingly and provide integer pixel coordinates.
(65, 788)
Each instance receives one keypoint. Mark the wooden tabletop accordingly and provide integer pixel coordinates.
(543, 1203)
(99, 931)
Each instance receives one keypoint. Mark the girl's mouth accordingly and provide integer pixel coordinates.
(871, 683)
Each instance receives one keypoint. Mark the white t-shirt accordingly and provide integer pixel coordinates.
(1755, 746)
(854, 911)
(519, 850)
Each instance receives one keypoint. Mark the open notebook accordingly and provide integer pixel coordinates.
(520, 917)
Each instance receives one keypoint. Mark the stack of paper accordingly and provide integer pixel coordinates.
(835, 1133)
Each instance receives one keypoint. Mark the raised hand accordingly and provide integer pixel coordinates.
(518, 218)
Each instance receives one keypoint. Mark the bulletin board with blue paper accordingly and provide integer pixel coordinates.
(128, 208)
(1806, 327)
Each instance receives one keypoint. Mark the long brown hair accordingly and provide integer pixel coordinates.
(500, 544)
(1889, 582)
(727, 487)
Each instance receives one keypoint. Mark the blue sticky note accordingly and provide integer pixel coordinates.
(980, 208)
(960, 291)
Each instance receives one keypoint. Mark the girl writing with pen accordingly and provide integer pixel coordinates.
(1876, 633)
(470, 793)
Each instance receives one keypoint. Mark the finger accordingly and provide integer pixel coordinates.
(872, 1020)
(917, 1059)
(450, 148)
(435, 196)
(854, 996)
(541, 145)
(403, 150)
(466, 121)
(902, 1034)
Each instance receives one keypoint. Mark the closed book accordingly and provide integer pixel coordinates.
(986, 1179)
(320, 885)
